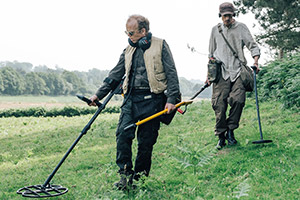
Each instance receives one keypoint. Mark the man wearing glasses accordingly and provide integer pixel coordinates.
(150, 85)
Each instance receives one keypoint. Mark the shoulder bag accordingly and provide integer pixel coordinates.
(246, 72)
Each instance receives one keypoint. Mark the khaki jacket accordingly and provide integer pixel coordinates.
(154, 67)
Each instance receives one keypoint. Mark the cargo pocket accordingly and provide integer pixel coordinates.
(143, 106)
(214, 100)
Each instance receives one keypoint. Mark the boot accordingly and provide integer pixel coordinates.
(221, 142)
(126, 182)
(122, 184)
(139, 175)
(126, 179)
(230, 137)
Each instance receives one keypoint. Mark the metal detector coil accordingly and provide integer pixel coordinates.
(48, 190)
(39, 191)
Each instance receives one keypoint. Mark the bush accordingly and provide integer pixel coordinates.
(280, 81)
(54, 112)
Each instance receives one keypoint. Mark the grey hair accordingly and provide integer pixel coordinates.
(142, 21)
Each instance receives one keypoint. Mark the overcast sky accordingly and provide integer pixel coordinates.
(85, 34)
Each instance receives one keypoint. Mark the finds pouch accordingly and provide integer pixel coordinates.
(214, 70)
(145, 105)
(247, 78)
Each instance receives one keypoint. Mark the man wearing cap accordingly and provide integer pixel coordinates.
(229, 88)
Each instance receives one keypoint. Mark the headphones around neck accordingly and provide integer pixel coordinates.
(143, 43)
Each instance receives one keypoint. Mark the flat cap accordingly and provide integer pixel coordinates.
(227, 8)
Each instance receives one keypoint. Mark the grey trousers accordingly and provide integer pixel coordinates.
(226, 92)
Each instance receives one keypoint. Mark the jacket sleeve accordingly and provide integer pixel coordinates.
(212, 44)
(249, 42)
(116, 74)
(173, 91)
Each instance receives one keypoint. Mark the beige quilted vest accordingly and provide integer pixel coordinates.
(154, 67)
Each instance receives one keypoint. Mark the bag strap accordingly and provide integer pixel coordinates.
(230, 47)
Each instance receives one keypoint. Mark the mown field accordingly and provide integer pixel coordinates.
(15, 102)
(185, 163)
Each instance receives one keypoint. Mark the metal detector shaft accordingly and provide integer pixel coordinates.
(202, 88)
(256, 101)
(261, 141)
(195, 95)
(85, 129)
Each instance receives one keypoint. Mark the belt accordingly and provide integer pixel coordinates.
(140, 91)
(141, 88)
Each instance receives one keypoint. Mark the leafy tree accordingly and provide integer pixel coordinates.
(54, 82)
(23, 67)
(77, 84)
(41, 68)
(93, 78)
(280, 20)
(97, 76)
(1, 84)
(13, 82)
(35, 84)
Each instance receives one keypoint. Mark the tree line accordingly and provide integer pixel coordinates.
(21, 78)
(280, 23)
(17, 78)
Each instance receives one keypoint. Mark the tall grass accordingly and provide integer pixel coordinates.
(185, 163)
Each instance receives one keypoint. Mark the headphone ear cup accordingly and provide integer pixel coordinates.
(220, 15)
(145, 42)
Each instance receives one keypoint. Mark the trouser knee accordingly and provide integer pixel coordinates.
(239, 103)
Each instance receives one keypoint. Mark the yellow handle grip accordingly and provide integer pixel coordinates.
(162, 112)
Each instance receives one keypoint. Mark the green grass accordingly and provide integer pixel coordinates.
(185, 163)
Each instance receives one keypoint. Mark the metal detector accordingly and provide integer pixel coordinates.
(48, 190)
(186, 103)
(257, 108)
(156, 115)
(195, 95)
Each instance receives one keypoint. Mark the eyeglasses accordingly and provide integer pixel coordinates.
(131, 33)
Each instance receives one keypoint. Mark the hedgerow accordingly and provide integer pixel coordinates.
(280, 81)
(54, 112)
